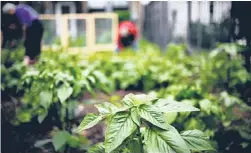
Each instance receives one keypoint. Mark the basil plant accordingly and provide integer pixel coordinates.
(139, 126)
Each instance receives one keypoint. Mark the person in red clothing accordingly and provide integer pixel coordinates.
(127, 35)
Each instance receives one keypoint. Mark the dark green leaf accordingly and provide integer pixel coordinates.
(134, 146)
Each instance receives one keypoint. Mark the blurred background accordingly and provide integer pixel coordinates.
(199, 24)
(193, 52)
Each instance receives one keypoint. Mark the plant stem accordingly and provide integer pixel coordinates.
(140, 140)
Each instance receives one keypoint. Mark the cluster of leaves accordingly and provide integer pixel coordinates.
(139, 126)
(149, 69)
(205, 80)
(11, 71)
(50, 88)
(59, 79)
(55, 82)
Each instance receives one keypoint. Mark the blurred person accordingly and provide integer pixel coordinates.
(127, 36)
(11, 31)
(33, 29)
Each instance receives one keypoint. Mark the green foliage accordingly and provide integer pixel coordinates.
(60, 139)
(196, 140)
(139, 119)
(206, 80)
(77, 42)
(123, 15)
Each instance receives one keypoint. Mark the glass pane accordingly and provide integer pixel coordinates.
(103, 28)
(50, 36)
(77, 32)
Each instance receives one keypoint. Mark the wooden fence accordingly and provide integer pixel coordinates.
(61, 28)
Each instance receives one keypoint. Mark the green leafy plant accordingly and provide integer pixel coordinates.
(139, 126)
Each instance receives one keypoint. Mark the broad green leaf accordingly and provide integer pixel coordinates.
(164, 141)
(128, 100)
(206, 105)
(45, 99)
(152, 115)
(135, 116)
(120, 127)
(64, 93)
(42, 116)
(105, 108)
(97, 148)
(173, 106)
(89, 121)
(196, 140)
(135, 100)
(60, 139)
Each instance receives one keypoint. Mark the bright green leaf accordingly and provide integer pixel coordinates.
(24, 116)
(196, 140)
(152, 115)
(42, 116)
(135, 116)
(135, 100)
(89, 121)
(105, 108)
(64, 93)
(60, 139)
(128, 100)
(120, 127)
(164, 141)
(74, 141)
(205, 105)
(171, 117)
(45, 99)
(167, 106)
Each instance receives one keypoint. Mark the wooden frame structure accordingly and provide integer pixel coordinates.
(91, 46)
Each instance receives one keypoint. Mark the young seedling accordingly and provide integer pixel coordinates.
(139, 126)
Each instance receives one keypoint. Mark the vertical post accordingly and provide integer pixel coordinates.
(189, 9)
(115, 23)
(64, 31)
(84, 6)
(211, 11)
(199, 30)
(108, 7)
(90, 32)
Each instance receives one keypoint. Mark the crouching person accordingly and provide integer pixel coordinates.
(127, 36)
(33, 29)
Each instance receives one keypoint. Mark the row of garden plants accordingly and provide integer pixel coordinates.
(45, 96)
